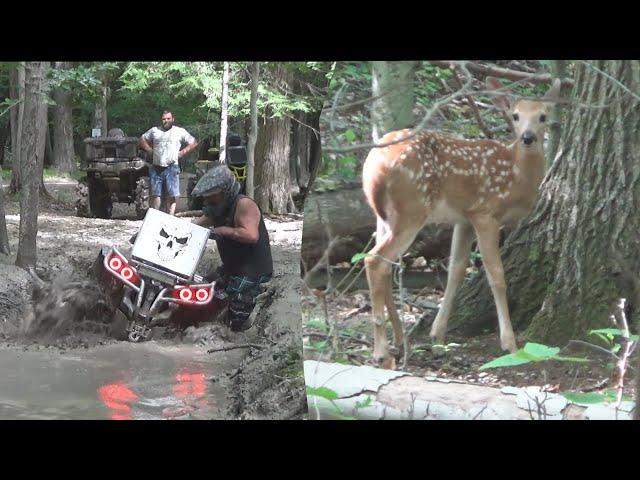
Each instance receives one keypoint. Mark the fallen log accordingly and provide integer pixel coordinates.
(366, 393)
(345, 216)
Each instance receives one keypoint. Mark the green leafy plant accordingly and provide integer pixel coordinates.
(358, 257)
(532, 352)
(610, 337)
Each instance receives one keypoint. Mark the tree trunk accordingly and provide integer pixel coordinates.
(344, 215)
(306, 149)
(48, 146)
(394, 110)
(31, 155)
(63, 151)
(273, 147)
(253, 131)
(100, 112)
(43, 133)
(16, 91)
(223, 116)
(558, 70)
(561, 263)
(4, 236)
(5, 133)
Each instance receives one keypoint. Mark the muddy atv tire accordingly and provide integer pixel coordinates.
(92, 201)
(100, 208)
(142, 197)
(82, 203)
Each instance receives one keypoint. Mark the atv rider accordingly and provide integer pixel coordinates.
(242, 240)
(165, 143)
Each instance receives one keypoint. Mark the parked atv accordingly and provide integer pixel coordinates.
(116, 172)
(236, 160)
(159, 277)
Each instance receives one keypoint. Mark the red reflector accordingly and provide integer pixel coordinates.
(127, 273)
(115, 263)
(186, 294)
(202, 294)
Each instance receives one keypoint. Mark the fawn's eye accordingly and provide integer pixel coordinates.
(516, 117)
(543, 118)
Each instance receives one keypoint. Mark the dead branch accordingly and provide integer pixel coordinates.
(235, 347)
(472, 104)
(514, 75)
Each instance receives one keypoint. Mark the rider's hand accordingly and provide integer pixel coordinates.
(213, 235)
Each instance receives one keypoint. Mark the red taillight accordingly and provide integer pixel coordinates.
(127, 273)
(186, 294)
(116, 263)
(194, 294)
(122, 269)
(202, 294)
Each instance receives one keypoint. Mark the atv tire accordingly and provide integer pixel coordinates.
(82, 203)
(142, 197)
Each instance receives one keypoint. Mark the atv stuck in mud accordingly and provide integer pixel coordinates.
(159, 279)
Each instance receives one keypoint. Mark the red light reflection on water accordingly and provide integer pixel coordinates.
(190, 388)
(118, 398)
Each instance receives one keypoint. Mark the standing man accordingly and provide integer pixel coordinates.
(165, 144)
(243, 243)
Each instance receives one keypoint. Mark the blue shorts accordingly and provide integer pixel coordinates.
(164, 181)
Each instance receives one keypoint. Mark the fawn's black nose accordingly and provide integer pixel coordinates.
(528, 137)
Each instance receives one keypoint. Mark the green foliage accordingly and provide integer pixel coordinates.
(359, 256)
(532, 352)
(609, 334)
(590, 398)
(317, 324)
(322, 392)
(428, 82)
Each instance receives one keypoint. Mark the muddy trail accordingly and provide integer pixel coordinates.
(69, 365)
(338, 329)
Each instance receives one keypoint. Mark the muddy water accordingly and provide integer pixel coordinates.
(121, 381)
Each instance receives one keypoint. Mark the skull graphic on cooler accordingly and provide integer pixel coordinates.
(172, 241)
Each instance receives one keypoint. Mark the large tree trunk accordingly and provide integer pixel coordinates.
(16, 91)
(253, 131)
(272, 189)
(5, 133)
(394, 110)
(558, 70)
(345, 217)
(48, 146)
(560, 263)
(32, 156)
(100, 111)
(63, 151)
(224, 111)
(43, 134)
(306, 150)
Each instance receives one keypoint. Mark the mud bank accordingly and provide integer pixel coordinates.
(258, 373)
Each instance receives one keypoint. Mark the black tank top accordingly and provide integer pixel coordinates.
(252, 260)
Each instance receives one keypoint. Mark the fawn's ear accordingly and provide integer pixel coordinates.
(553, 94)
(500, 100)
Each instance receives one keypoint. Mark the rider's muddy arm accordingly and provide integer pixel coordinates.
(247, 221)
(203, 221)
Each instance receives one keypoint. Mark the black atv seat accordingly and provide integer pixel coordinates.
(237, 155)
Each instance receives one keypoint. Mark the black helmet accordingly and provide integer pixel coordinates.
(218, 179)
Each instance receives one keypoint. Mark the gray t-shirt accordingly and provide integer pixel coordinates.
(167, 144)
